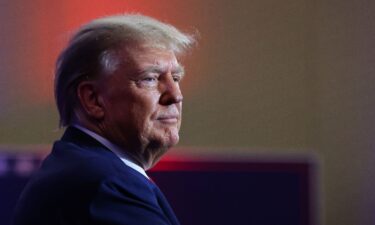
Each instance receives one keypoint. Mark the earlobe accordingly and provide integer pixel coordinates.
(90, 100)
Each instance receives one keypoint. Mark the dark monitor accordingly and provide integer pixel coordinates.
(237, 193)
(205, 192)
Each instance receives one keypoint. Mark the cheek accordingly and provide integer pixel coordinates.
(145, 110)
(151, 105)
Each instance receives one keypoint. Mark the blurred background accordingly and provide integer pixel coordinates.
(287, 78)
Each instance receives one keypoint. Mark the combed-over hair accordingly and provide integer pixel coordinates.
(92, 49)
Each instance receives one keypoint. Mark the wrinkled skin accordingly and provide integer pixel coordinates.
(140, 104)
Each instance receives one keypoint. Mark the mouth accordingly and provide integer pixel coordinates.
(169, 119)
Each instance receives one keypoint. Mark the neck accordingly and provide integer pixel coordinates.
(145, 154)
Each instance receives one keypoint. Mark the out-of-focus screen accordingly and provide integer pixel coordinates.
(202, 192)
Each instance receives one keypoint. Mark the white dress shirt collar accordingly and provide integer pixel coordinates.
(114, 148)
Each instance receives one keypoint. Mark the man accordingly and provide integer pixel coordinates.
(117, 92)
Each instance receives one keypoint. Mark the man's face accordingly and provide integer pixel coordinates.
(142, 101)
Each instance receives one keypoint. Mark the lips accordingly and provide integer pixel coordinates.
(168, 118)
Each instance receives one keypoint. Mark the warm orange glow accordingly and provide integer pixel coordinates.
(50, 31)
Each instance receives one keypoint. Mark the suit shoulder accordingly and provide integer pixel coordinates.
(87, 162)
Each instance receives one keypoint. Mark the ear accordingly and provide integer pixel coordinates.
(89, 98)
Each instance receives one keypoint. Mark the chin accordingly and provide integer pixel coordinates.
(172, 140)
(167, 137)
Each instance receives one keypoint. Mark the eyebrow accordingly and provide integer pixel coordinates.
(179, 69)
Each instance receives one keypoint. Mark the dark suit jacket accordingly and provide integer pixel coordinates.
(83, 182)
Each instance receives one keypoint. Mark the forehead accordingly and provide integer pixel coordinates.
(144, 57)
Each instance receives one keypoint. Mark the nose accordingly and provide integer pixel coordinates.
(171, 92)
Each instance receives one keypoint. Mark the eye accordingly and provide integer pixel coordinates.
(149, 79)
(177, 79)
